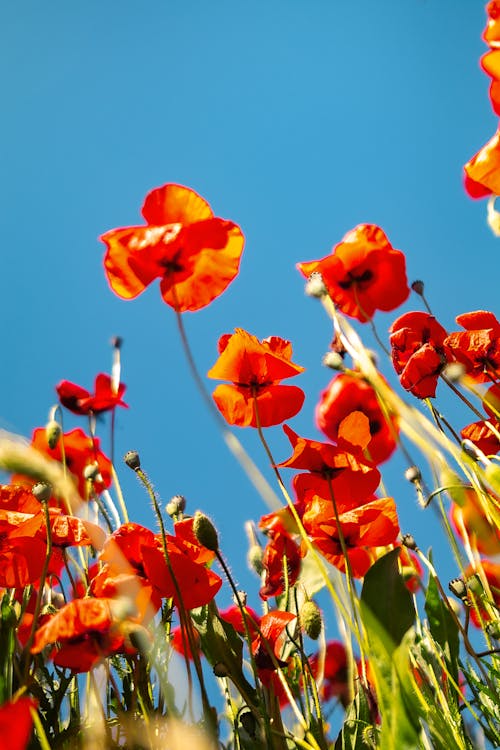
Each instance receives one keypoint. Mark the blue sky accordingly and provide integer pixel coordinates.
(297, 120)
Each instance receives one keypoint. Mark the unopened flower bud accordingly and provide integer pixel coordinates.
(240, 598)
(334, 361)
(413, 474)
(475, 584)
(254, 558)
(205, 532)
(220, 669)
(310, 618)
(458, 587)
(132, 460)
(176, 505)
(52, 433)
(408, 540)
(418, 287)
(247, 721)
(315, 286)
(42, 491)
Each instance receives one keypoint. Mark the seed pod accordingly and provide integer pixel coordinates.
(42, 492)
(310, 618)
(52, 433)
(132, 460)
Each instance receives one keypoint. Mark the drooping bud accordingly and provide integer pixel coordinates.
(408, 540)
(132, 460)
(458, 587)
(333, 360)
(254, 558)
(205, 532)
(413, 474)
(52, 433)
(310, 618)
(220, 669)
(176, 505)
(315, 286)
(418, 287)
(42, 491)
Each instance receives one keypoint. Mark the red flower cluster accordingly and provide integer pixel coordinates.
(417, 352)
(363, 274)
(255, 369)
(195, 254)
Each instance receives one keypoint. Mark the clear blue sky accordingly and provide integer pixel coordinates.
(295, 119)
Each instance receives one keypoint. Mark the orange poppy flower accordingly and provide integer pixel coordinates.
(417, 352)
(194, 254)
(345, 395)
(490, 63)
(255, 369)
(80, 450)
(482, 172)
(352, 477)
(374, 524)
(280, 550)
(271, 640)
(479, 432)
(16, 722)
(491, 33)
(80, 401)
(478, 347)
(233, 616)
(364, 273)
(484, 534)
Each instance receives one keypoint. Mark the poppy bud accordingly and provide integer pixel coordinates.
(254, 558)
(334, 361)
(52, 433)
(315, 286)
(240, 598)
(413, 474)
(176, 505)
(132, 460)
(408, 540)
(220, 669)
(42, 492)
(205, 532)
(418, 287)
(247, 721)
(310, 618)
(458, 587)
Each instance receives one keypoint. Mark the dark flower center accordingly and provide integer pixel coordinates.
(353, 279)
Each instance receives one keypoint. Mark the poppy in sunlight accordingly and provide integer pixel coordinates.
(255, 369)
(83, 632)
(280, 553)
(373, 524)
(233, 616)
(491, 33)
(470, 521)
(180, 643)
(335, 682)
(364, 273)
(79, 451)
(345, 395)
(195, 254)
(490, 63)
(16, 722)
(267, 646)
(80, 401)
(485, 434)
(417, 352)
(352, 477)
(482, 172)
(478, 347)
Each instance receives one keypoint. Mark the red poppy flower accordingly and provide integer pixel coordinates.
(478, 347)
(279, 551)
(479, 432)
(417, 352)
(373, 524)
(85, 630)
(80, 450)
(270, 640)
(80, 401)
(17, 497)
(482, 172)
(345, 395)
(352, 477)
(364, 273)
(255, 369)
(490, 63)
(194, 254)
(471, 517)
(335, 682)
(181, 645)
(16, 723)
(233, 616)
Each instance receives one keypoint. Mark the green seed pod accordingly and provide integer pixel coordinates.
(205, 532)
(254, 558)
(310, 618)
(52, 433)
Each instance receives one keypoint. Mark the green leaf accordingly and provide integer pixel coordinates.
(221, 643)
(358, 731)
(386, 596)
(443, 627)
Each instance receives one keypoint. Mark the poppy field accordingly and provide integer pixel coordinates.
(113, 634)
